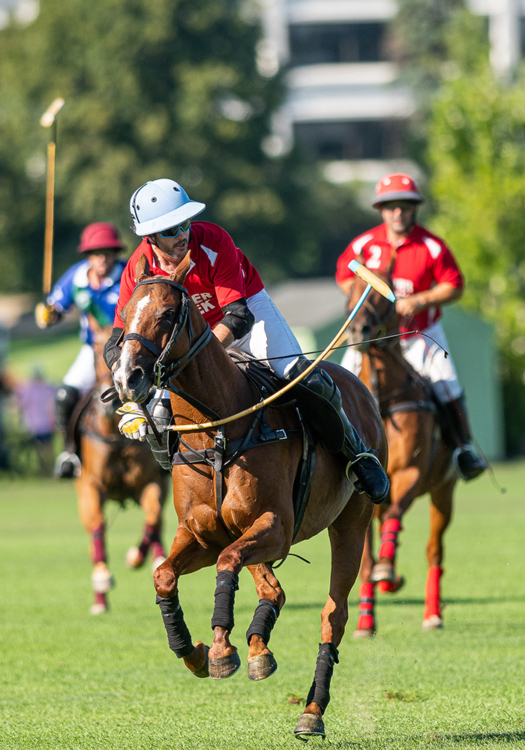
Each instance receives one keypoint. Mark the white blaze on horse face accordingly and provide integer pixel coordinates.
(125, 364)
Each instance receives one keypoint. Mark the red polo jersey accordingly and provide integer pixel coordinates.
(219, 272)
(422, 261)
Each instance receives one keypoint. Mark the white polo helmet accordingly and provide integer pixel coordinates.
(159, 205)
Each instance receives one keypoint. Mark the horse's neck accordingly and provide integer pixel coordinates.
(385, 368)
(101, 420)
(214, 380)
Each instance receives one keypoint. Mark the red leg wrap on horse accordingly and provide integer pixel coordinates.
(99, 547)
(432, 592)
(366, 619)
(100, 598)
(389, 532)
(151, 534)
(157, 550)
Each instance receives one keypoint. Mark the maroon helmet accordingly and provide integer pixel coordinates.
(100, 236)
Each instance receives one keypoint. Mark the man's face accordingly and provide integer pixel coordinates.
(102, 261)
(175, 247)
(399, 216)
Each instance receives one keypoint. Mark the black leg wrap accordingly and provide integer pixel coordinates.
(320, 690)
(263, 621)
(179, 638)
(227, 585)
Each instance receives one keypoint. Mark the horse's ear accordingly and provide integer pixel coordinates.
(182, 269)
(142, 269)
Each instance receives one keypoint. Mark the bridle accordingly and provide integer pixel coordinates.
(163, 372)
(378, 322)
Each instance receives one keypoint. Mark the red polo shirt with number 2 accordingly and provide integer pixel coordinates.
(422, 261)
(219, 272)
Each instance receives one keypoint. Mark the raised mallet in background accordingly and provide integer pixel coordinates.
(48, 120)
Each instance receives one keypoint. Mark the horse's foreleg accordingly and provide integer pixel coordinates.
(440, 516)
(151, 501)
(92, 517)
(347, 536)
(186, 556)
(265, 540)
(404, 488)
(366, 623)
(261, 662)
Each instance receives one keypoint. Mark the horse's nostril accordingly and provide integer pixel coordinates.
(135, 377)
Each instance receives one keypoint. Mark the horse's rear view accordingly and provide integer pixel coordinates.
(243, 516)
(113, 468)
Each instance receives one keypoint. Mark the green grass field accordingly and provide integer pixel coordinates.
(70, 680)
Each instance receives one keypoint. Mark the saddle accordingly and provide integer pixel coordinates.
(322, 418)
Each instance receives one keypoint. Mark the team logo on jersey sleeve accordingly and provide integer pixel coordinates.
(403, 287)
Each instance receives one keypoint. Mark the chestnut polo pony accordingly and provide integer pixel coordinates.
(118, 469)
(253, 526)
(420, 461)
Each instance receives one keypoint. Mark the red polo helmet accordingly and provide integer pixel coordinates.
(397, 186)
(100, 236)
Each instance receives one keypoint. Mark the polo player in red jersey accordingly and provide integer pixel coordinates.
(231, 297)
(425, 277)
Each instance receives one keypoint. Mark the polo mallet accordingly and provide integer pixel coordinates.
(48, 120)
(373, 282)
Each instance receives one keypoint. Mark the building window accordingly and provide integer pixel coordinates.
(365, 139)
(337, 43)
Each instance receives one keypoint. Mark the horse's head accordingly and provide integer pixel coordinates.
(376, 317)
(151, 317)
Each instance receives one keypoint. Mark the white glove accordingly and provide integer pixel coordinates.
(133, 424)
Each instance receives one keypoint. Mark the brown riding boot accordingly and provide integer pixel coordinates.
(468, 462)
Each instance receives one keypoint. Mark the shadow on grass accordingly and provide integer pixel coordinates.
(466, 738)
(382, 600)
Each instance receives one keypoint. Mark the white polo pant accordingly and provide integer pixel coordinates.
(427, 359)
(81, 374)
(270, 336)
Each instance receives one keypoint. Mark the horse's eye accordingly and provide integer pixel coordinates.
(168, 315)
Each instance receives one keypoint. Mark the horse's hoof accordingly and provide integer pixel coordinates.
(391, 587)
(309, 725)
(261, 667)
(383, 572)
(364, 633)
(434, 622)
(98, 609)
(157, 562)
(203, 671)
(102, 581)
(134, 558)
(224, 666)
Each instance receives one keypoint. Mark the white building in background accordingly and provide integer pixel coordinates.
(346, 104)
(22, 12)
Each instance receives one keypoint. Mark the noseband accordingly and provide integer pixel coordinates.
(378, 322)
(162, 372)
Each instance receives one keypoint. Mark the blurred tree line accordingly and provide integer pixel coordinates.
(154, 88)
(472, 128)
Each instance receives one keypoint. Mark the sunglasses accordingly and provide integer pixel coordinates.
(174, 231)
(403, 205)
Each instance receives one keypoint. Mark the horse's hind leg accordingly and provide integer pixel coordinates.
(347, 536)
(366, 623)
(261, 662)
(92, 517)
(440, 516)
(151, 501)
(186, 556)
